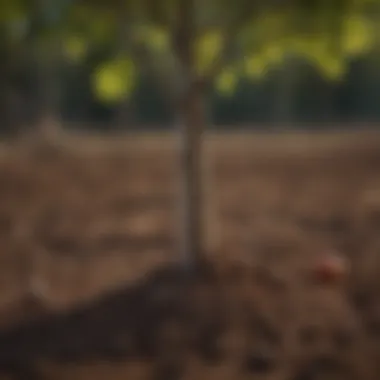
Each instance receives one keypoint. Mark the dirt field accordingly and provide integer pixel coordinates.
(89, 288)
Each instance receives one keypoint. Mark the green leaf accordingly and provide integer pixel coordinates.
(207, 48)
(332, 68)
(11, 11)
(255, 66)
(115, 80)
(317, 51)
(75, 48)
(227, 81)
(98, 25)
(358, 35)
(274, 53)
(155, 38)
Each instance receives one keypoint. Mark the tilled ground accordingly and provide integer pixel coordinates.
(90, 288)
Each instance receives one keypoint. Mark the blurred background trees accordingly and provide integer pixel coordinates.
(95, 64)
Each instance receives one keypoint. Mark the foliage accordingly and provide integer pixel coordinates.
(114, 80)
(268, 39)
(256, 39)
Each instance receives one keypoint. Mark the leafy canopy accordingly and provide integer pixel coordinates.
(229, 39)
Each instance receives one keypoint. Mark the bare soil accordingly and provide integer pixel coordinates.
(90, 286)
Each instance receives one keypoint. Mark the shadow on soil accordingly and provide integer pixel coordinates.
(220, 315)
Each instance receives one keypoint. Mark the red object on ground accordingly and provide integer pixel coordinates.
(331, 268)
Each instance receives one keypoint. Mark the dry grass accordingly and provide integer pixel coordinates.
(77, 223)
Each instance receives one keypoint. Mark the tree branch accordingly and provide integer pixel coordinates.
(247, 11)
(168, 84)
(140, 52)
(183, 33)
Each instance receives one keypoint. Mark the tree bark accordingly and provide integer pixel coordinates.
(198, 235)
(336, 23)
(191, 124)
(283, 107)
(196, 209)
(48, 124)
(123, 119)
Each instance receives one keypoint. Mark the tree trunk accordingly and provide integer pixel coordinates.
(47, 74)
(123, 116)
(48, 124)
(337, 29)
(283, 112)
(198, 236)
(10, 107)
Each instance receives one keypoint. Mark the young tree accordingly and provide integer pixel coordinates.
(193, 47)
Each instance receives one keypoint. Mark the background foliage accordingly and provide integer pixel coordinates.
(97, 63)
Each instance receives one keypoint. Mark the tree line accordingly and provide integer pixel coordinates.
(305, 103)
(294, 62)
